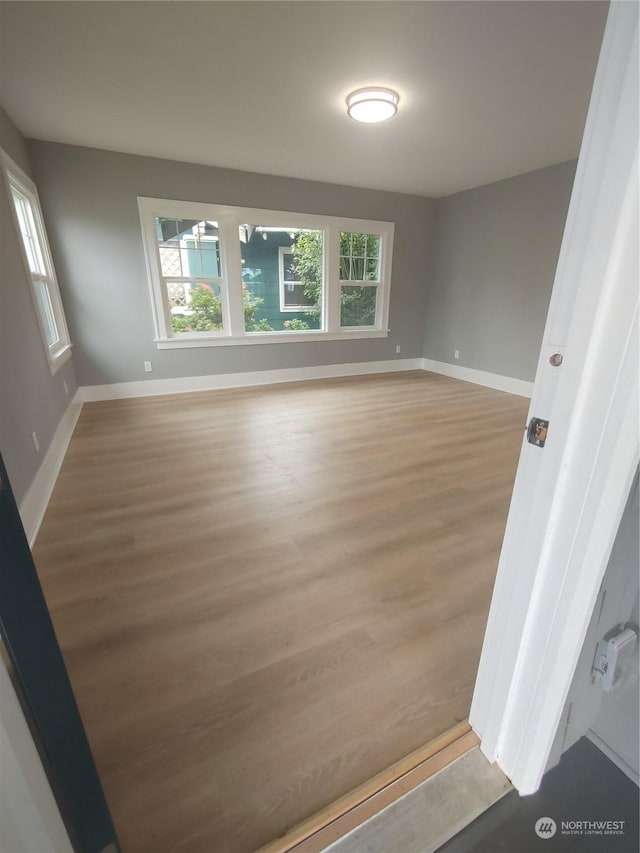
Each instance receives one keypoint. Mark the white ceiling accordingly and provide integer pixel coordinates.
(488, 89)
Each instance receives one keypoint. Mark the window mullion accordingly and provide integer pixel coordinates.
(164, 312)
(331, 276)
(384, 277)
(157, 283)
(231, 260)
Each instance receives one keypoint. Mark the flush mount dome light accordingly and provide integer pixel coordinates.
(372, 104)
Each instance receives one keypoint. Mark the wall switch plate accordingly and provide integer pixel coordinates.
(36, 443)
(456, 353)
(148, 367)
(398, 348)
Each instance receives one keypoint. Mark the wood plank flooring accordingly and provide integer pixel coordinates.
(266, 596)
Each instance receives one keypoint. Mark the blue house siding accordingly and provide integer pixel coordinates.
(260, 274)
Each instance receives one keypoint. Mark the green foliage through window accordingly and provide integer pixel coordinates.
(358, 305)
(307, 257)
(359, 256)
(359, 262)
(295, 325)
(205, 310)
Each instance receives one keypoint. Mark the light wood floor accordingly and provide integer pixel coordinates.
(266, 596)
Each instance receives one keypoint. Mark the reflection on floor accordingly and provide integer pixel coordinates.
(585, 786)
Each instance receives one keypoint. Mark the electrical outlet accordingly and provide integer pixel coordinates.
(456, 354)
(148, 367)
(36, 443)
(398, 348)
(65, 386)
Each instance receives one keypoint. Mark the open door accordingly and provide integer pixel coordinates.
(573, 482)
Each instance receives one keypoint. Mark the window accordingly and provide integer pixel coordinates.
(281, 278)
(38, 264)
(189, 254)
(359, 278)
(223, 275)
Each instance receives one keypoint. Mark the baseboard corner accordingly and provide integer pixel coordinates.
(509, 384)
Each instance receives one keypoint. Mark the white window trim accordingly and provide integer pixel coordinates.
(290, 309)
(229, 219)
(355, 282)
(15, 178)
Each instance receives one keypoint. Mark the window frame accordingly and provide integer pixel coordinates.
(218, 281)
(229, 219)
(16, 181)
(354, 282)
(284, 308)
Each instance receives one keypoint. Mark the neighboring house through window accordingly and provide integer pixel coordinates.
(38, 264)
(292, 295)
(231, 275)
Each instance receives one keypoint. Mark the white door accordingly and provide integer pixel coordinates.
(569, 495)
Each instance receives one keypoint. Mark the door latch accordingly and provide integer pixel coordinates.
(537, 431)
(612, 658)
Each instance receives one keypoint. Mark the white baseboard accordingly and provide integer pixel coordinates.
(154, 387)
(480, 377)
(34, 504)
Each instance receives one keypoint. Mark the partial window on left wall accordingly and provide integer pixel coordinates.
(38, 264)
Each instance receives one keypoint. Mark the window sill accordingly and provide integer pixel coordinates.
(56, 361)
(269, 338)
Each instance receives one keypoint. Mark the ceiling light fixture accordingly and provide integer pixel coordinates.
(372, 104)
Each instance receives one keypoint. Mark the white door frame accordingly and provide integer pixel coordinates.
(29, 814)
(569, 496)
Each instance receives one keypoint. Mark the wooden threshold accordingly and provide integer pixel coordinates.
(346, 813)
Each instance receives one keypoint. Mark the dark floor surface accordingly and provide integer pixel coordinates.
(585, 786)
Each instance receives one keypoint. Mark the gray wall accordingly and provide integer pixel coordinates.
(89, 200)
(617, 724)
(613, 717)
(13, 143)
(484, 288)
(31, 399)
(493, 264)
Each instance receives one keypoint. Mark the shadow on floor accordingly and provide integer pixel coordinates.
(585, 786)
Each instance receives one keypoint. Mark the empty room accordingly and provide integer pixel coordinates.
(275, 278)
